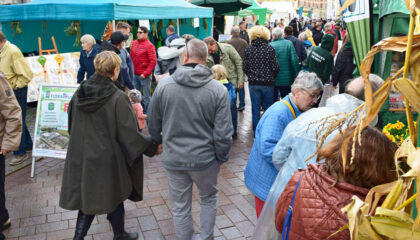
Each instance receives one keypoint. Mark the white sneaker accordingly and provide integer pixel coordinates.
(19, 159)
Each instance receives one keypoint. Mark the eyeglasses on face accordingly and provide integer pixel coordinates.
(312, 95)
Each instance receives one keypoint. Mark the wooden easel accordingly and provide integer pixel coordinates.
(47, 51)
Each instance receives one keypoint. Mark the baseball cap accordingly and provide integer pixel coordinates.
(118, 37)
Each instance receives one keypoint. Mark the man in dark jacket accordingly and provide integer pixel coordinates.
(195, 149)
(295, 26)
(115, 45)
(344, 67)
(317, 33)
(298, 44)
(244, 33)
(320, 60)
(239, 44)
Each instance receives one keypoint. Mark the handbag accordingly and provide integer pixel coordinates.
(288, 220)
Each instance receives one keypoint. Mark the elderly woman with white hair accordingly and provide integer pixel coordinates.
(89, 51)
(261, 67)
(260, 172)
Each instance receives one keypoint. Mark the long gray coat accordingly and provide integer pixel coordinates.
(104, 163)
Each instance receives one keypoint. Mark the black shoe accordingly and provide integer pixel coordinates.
(6, 225)
(127, 236)
(240, 109)
(235, 135)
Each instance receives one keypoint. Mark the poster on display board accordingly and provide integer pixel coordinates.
(51, 135)
(52, 72)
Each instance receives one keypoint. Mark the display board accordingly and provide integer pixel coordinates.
(51, 135)
(52, 72)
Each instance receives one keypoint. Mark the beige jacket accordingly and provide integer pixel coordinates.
(10, 117)
(14, 66)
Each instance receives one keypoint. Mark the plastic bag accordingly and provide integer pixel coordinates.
(329, 91)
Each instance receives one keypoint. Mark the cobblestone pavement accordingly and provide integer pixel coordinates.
(35, 214)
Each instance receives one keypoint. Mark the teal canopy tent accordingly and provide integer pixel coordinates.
(102, 10)
(255, 9)
(223, 6)
(46, 18)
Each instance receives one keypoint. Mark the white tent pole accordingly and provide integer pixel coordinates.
(113, 25)
(177, 25)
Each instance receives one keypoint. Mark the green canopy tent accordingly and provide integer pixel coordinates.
(255, 9)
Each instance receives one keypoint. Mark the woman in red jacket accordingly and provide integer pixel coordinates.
(143, 55)
(324, 188)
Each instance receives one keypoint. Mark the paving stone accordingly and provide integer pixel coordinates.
(167, 227)
(161, 212)
(231, 232)
(153, 235)
(33, 221)
(148, 223)
(246, 228)
(223, 222)
(51, 227)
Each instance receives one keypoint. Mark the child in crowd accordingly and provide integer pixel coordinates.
(219, 74)
(135, 99)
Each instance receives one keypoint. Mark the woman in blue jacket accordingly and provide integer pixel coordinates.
(260, 172)
(88, 53)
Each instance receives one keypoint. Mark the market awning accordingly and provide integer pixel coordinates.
(255, 9)
(102, 10)
(223, 6)
(392, 6)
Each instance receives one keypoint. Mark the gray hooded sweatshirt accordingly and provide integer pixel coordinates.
(190, 114)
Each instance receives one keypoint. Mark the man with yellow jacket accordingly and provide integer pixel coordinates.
(18, 73)
(10, 133)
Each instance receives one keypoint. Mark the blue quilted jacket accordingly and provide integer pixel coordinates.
(260, 172)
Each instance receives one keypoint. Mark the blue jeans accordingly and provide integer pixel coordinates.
(260, 94)
(144, 85)
(234, 112)
(242, 97)
(26, 141)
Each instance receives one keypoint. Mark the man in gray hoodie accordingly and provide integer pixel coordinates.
(190, 114)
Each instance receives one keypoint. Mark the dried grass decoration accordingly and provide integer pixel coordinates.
(74, 29)
(15, 26)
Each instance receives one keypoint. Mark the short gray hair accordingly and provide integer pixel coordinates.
(277, 33)
(303, 36)
(235, 30)
(197, 50)
(89, 39)
(307, 80)
(327, 26)
(170, 28)
(356, 87)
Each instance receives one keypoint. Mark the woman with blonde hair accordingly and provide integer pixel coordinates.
(104, 164)
(261, 66)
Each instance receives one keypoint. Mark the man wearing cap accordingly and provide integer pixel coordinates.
(115, 45)
(144, 58)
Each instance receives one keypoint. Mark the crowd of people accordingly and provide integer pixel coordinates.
(191, 120)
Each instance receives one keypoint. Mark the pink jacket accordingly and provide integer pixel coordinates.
(141, 117)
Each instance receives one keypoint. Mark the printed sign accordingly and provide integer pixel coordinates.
(51, 135)
(63, 72)
(196, 22)
(357, 11)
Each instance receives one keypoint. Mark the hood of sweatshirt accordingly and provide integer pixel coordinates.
(190, 76)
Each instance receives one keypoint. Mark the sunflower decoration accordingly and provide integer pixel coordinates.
(397, 132)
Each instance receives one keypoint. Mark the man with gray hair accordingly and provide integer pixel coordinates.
(328, 29)
(193, 151)
(289, 62)
(239, 44)
(170, 32)
(260, 171)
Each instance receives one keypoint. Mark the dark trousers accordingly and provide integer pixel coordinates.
(241, 93)
(116, 218)
(283, 90)
(26, 141)
(4, 214)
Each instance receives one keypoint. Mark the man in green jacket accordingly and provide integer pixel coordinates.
(288, 60)
(320, 60)
(226, 55)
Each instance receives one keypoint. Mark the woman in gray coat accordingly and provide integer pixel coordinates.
(104, 163)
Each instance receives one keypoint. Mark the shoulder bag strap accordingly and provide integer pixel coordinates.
(288, 220)
(290, 107)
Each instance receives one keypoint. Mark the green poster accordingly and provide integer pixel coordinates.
(51, 136)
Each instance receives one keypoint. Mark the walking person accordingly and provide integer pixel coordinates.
(226, 55)
(10, 134)
(99, 176)
(19, 74)
(298, 44)
(344, 65)
(194, 150)
(287, 58)
(144, 58)
(244, 34)
(261, 67)
(240, 45)
(320, 60)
